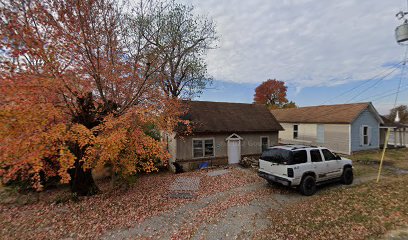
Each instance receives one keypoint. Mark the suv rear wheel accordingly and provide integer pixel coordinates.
(347, 176)
(308, 185)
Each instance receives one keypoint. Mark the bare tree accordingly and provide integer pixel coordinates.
(178, 40)
(402, 112)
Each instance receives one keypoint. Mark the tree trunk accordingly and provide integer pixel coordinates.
(82, 182)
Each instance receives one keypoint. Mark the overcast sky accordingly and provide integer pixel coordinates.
(314, 46)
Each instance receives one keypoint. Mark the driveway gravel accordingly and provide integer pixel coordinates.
(237, 221)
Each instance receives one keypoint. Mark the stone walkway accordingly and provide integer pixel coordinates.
(218, 173)
(186, 184)
(184, 187)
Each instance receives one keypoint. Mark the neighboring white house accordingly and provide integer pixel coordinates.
(344, 128)
(398, 135)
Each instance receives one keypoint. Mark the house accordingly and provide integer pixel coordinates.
(398, 135)
(344, 128)
(223, 133)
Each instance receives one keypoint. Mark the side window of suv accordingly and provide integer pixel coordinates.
(315, 155)
(328, 156)
(299, 157)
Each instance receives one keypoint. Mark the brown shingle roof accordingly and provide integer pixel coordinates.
(340, 113)
(214, 117)
(390, 123)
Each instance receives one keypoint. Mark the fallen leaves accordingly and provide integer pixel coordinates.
(213, 212)
(359, 212)
(117, 209)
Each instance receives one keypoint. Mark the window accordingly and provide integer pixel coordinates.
(209, 148)
(264, 143)
(203, 148)
(328, 156)
(276, 155)
(299, 157)
(315, 155)
(295, 131)
(285, 157)
(198, 148)
(365, 135)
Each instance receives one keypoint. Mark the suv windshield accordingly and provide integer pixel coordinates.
(282, 156)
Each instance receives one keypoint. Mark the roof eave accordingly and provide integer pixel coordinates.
(301, 122)
(236, 131)
(373, 110)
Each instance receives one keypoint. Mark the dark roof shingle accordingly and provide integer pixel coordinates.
(390, 123)
(340, 113)
(217, 117)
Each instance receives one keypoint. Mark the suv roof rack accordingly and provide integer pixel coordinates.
(299, 147)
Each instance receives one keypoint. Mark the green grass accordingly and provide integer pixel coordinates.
(361, 212)
(393, 157)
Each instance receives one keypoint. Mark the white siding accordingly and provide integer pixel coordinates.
(336, 136)
(307, 133)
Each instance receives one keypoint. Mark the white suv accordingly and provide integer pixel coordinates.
(304, 166)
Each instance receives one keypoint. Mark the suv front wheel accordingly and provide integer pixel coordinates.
(347, 177)
(308, 185)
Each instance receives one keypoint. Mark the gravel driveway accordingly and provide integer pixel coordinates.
(238, 221)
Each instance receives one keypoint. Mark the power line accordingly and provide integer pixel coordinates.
(335, 110)
(380, 96)
(402, 73)
(371, 86)
(363, 83)
(390, 95)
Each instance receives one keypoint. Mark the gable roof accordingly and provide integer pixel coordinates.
(217, 117)
(339, 113)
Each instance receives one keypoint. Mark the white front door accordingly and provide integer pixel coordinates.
(234, 151)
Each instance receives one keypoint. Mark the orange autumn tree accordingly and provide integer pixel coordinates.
(78, 92)
(273, 94)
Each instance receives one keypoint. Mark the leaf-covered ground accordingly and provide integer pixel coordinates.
(235, 205)
(360, 212)
(93, 216)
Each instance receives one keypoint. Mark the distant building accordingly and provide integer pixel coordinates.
(344, 128)
(398, 135)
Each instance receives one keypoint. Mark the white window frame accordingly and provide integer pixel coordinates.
(260, 139)
(203, 146)
(362, 135)
(297, 131)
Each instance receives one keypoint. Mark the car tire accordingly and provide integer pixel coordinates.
(308, 186)
(347, 176)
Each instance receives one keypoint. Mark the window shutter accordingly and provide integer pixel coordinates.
(369, 135)
(361, 136)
